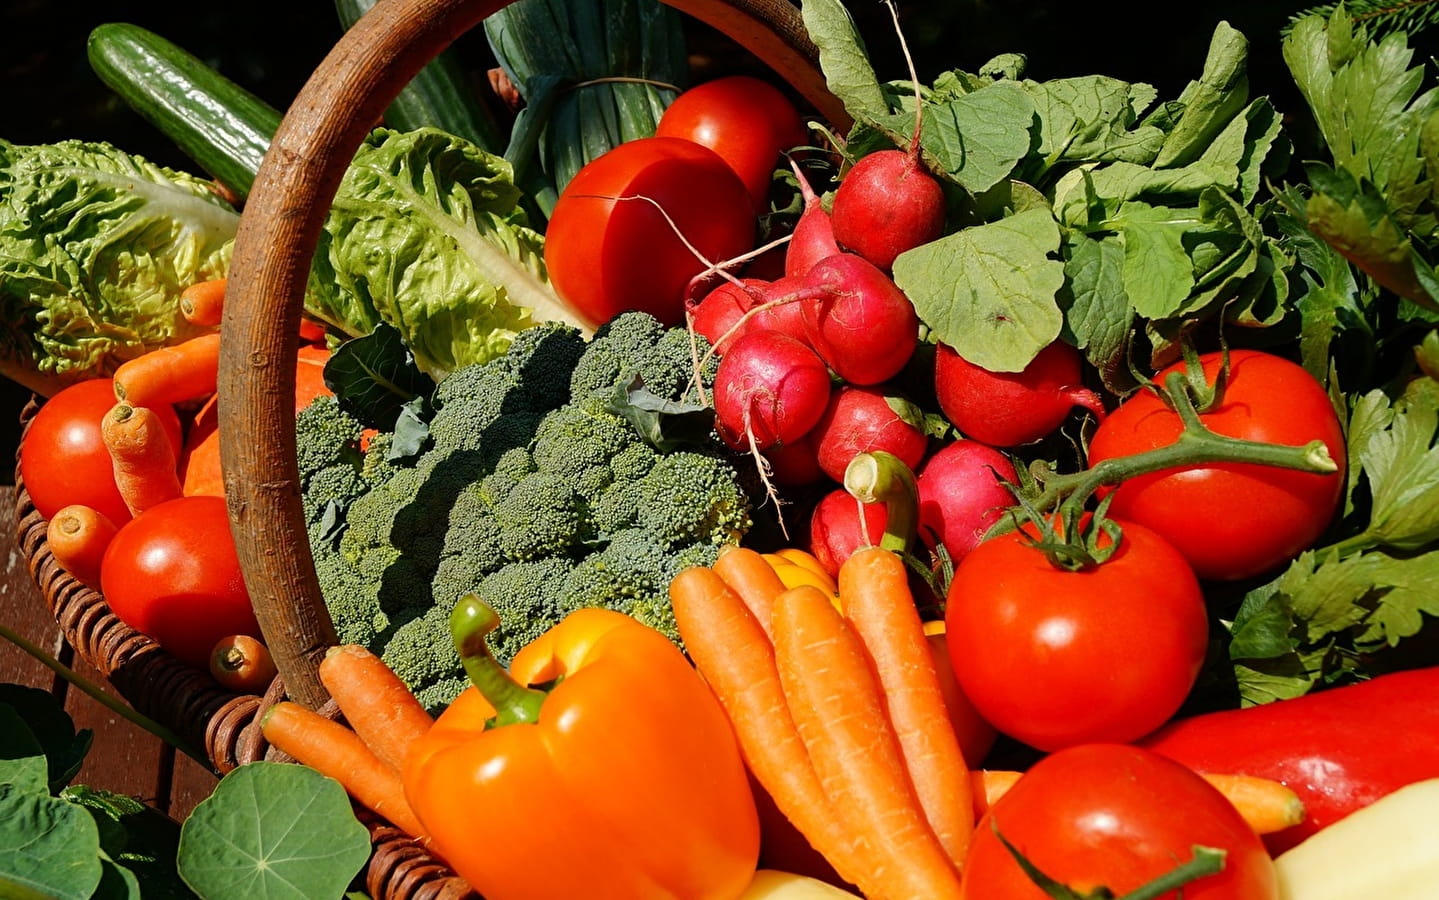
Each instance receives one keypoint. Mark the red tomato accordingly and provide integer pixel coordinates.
(747, 121)
(1232, 520)
(1054, 657)
(607, 255)
(1116, 816)
(63, 459)
(172, 574)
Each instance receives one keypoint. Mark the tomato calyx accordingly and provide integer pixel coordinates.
(1205, 861)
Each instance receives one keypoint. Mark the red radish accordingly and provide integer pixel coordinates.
(863, 419)
(716, 316)
(887, 203)
(813, 236)
(860, 322)
(1006, 409)
(780, 307)
(836, 532)
(795, 463)
(961, 495)
(769, 389)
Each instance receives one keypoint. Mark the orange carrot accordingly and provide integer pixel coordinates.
(750, 576)
(1267, 805)
(203, 303)
(241, 663)
(735, 658)
(874, 592)
(331, 749)
(144, 458)
(179, 372)
(838, 708)
(377, 704)
(78, 535)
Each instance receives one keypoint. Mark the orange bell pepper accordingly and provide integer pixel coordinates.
(599, 766)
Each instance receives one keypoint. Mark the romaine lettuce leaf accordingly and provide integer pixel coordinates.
(95, 247)
(426, 233)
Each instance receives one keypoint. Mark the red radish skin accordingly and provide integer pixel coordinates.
(780, 308)
(769, 389)
(1007, 409)
(835, 530)
(961, 495)
(796, 463)
(717, 314)
(813, 236)
(860, 323)
(861, 420)
(887, 204)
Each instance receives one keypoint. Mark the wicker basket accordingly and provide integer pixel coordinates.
(278, 234)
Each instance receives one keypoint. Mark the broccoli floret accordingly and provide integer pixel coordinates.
(542, 516)
(527, 597)
(417, 649)
(691, 497)
(636, 343)
(580, 436)
(334, 487)
(326, 436)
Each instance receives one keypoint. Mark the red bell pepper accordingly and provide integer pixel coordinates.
(599, 766)
(1339, 749)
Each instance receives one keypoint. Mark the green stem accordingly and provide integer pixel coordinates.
(1206, 861)
(513, 702)
(1196, 445)
(99, 695)
(882, 477)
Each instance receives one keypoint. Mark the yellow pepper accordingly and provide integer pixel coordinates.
(600, 766)
(795, 567)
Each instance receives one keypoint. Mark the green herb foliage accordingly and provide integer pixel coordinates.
(273, 830)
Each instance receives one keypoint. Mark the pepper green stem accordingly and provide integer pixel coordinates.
(470, 622)
(96, 693)
(882, 477)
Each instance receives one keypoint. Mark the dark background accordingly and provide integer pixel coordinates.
(270, 47)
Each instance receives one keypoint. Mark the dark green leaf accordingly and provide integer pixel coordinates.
(373, 377)
(22, 759)
(64, 747)
(663, 423)
(48, 848)
(274, 830)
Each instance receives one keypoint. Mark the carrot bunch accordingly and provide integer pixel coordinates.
(840, 715)
(367, 751)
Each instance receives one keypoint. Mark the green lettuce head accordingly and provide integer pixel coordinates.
(95, 247)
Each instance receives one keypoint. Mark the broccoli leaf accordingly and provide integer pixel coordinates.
(663, 423)
(375, 377)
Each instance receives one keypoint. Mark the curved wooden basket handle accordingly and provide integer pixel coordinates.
(279, 232)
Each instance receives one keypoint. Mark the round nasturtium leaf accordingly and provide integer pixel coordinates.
(48, 848)
(272, 831)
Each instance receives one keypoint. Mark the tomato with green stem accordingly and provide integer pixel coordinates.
(1231, 520)
(1055, 656)
(1116, 817)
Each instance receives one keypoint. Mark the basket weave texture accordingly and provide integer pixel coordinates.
(278, 234)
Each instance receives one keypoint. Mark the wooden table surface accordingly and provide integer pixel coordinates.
(124, 758)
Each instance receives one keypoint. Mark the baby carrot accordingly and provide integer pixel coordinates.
(77, 536)
(839, 711)
(1267, 805)
(750, 576)
(173, 374)
(331, 749)
(377, 704)
(241, 663)
(146, 472)
(735, 658)
(203, 303)
(874, 593)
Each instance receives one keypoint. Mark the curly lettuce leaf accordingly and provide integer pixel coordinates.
(95, 247)
(426, 234)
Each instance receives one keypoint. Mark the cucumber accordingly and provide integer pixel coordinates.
(224, 128)
(438, 96)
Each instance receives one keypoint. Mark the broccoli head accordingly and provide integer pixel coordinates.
(528, 599)
(636, 344)
(691, 497)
